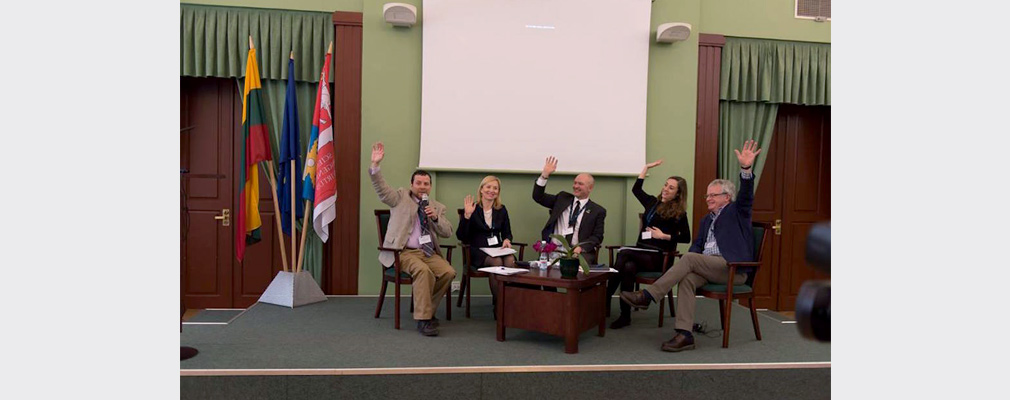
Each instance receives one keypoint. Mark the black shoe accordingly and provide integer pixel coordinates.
(427, 328)
(679, 343)
(636, 299)
(621, 322)
(434, 322)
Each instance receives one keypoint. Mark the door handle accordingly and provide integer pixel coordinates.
(778, 227)
(225, 217)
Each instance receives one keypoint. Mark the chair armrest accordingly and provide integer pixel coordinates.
(755, 264)
(522, 249)
(448, 255)
(610, 253)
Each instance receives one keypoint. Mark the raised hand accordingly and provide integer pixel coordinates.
(647, 167)
(378, 151)
(746, 157)
(468, 206)
(550, 166)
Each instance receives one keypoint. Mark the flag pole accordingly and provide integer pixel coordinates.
(277, 212)
(293, 216)
(277, 208)
(305, 230)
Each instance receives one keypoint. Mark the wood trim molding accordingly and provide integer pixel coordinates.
(340, 253)
(347, 18)
(706, 151)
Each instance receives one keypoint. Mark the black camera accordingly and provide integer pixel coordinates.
(813, 303)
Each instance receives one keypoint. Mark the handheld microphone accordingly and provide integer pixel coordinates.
(424, 200)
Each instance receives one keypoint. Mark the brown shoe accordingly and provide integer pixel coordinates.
(679, 343)
(635, 299)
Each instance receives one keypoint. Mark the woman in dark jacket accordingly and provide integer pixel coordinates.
(485, 223)
(664, 225)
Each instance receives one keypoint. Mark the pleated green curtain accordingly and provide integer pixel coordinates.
(739, 122)
(215, 43)
(774, 71)
(756, 76)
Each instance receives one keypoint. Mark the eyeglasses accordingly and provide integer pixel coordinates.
(711, 195)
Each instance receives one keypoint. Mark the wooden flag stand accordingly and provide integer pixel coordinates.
(296, 287)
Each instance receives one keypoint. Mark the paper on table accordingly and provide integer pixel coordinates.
(503, 270)
(497, 251)
(636, 249)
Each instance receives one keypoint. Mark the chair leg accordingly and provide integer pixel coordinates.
(462, 289)
(722, 314)
(670, 296)
(754, 318)
(382, 296)
(448, 304)
(411, 301)
(725, 333)
(468, 290)
(662, 301)
(396, 319)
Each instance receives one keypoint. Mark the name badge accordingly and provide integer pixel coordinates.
(710, 245)
(647, 235)
(424, 239)
(491, 241)
(568, 231)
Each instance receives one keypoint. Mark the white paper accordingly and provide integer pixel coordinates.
(637, 249)
(503, 270)
(497, 251)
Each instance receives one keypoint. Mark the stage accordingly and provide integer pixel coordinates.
(335, 349)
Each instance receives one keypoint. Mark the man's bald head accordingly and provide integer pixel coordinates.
(583, 185)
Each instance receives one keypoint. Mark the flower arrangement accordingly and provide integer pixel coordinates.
(569, 253)
(544, 246)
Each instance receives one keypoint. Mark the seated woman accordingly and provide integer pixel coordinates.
(486, 224)
(665, 225)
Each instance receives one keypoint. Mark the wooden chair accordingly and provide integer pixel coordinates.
(649, 278)
(395, 275)
(470, 270)
(731, 291)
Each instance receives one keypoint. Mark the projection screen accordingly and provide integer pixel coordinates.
(506, 83)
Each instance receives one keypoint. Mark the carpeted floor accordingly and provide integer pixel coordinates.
(341, 333)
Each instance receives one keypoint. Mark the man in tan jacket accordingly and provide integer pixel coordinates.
(415, 223)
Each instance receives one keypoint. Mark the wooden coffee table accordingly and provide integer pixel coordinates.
(581, 307)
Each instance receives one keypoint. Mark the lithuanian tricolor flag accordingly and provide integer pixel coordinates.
(255, 148)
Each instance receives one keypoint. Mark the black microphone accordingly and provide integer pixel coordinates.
(424, 200)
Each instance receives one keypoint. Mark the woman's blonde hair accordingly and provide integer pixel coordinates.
(486, 180)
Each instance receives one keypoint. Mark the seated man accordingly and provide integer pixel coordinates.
(575, 217)
(412, 219)
(725, 235)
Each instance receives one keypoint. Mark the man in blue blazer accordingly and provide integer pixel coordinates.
(725, 235)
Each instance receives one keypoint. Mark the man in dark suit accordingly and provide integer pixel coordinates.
(725, 235)
(573, 215)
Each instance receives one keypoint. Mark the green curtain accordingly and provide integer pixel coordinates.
(775, 71)
(215, 41)
(274, 94)
(756, 76)
(739, 122)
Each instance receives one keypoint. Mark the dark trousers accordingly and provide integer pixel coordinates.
(629, 263)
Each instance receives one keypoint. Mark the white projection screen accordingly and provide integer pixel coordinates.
(505, 83)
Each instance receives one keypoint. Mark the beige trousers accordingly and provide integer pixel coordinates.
(693, 270)
(432, 278)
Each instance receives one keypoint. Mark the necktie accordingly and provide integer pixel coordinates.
(572, 218)
(427, 248)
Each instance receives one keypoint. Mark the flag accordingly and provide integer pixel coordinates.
(319, 182)
(289, 151)
(255, 148)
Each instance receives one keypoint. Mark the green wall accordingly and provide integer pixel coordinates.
(391, 113)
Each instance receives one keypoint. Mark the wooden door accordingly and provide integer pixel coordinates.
(209, 111)
(794, 193)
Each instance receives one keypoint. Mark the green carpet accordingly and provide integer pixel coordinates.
(341, 333)
(221, 316)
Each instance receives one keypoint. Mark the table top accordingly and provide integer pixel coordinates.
(551, 277)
